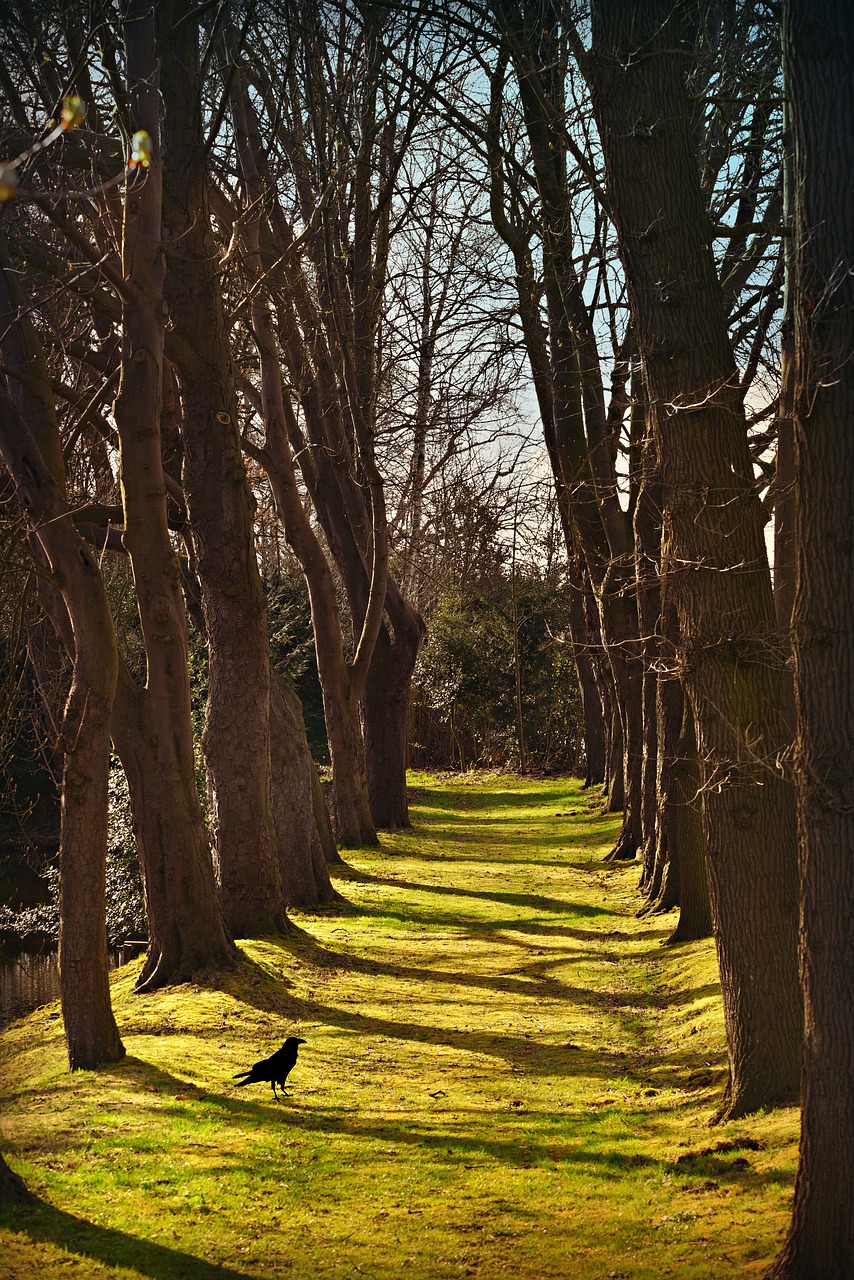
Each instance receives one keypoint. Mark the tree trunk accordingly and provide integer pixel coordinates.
(385, 708)
(818, 46)
(647, 527)
(91, 1034)
(341, 683)
(304, 836)
(72, 582)
(785, 505)
(567, 376)
(713, 530)
(622, 645)
(615, 777)
(153, 729)
(236, 739)
(660, 882)
(591, 701)
(602, 677)
(353, 820)
(684, 819)
(185, 924)
(13, 1189)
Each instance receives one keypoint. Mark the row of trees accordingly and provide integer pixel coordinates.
(278, 286)
(197, 368)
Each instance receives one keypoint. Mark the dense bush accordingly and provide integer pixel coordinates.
(293, 656)
(125, 904)
(464, 707)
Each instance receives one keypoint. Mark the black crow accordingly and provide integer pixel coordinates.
(276, 1068)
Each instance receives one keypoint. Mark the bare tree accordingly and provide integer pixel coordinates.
(819, 57)
(729, 645)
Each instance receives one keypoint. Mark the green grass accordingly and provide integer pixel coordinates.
(506, 1073)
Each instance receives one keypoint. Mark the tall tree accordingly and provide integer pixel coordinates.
(729, 647)
(581, 429)
(818, 44)
(78, 602)
(236, 738)
(168, 820)
(331, 135)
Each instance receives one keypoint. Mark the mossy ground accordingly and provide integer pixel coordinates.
(506, 1073)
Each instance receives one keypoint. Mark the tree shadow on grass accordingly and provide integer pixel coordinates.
(530, 901)
(523, 1054)
(44, 1224)
(505, 1136)
(442, 1133)
(464, 800)
(309, 950)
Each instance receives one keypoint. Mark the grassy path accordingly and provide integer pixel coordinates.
(506, 1074)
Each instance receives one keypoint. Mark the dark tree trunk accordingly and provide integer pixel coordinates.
(818, 46)
(13, 1190)
(185, 924)
(236, 739)
(385, 707)
(591, 702)
(615, 776)
(713, 530)
(83, 616)
(304, 836)
(602, 676)
(341, 683)
(152, 727)
(619, 609)
(660, 878)
(684, 817)
(567, 375)
(785, 504)
(660, 882)
(353, 820)
(647, 526)
(74, 589)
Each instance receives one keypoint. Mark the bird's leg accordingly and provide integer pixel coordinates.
(275, 1095)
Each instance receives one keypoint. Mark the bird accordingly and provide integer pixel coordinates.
(276, 1068)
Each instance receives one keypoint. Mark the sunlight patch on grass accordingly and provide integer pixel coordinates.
(506, 1073)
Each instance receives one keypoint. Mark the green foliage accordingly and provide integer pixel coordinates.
(293, 656)
(125, 901)
(197, 661)
(124, 894)
(467, 662)
(466, 677)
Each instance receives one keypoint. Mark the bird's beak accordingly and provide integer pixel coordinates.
(301, 1041)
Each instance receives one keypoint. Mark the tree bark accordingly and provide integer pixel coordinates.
(341, 683)
(385, 710)
(660, 878)
(647, 527)
(591, 701)
(615, 776)
(684, 818)
(567, 374)
(75, 589)
(91, 1033)
(785, 505)
(730, 653)
(159, 765)
(13, 1189)
(818, 48)
(305, 842)
(185, 925)
(328, 319)
(236, 738)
